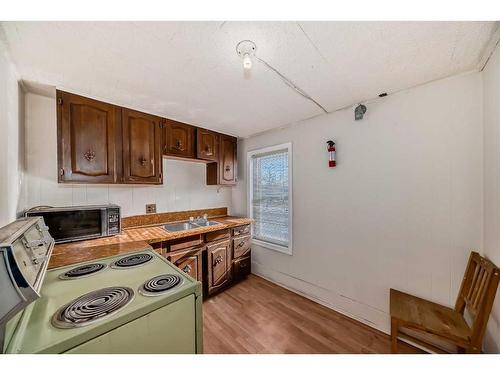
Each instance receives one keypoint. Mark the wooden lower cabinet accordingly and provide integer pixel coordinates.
(217, 259)
(189, 261)
(241, 268)
(218, 265)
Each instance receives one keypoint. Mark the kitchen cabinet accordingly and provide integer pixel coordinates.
(179, 139)
(103, 143)
(218, 265)
(224, 172)
(142, 157)
(242, 267)
(89, 142)
(207, 145)
(189, 261)
(241, 246)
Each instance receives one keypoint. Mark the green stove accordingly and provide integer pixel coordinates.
(133, 303)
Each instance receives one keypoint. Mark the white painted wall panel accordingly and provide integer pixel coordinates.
(491, 94)
(12, 196)
(402, 209)
(184, 185)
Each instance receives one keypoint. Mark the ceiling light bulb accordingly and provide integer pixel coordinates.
(247, 61)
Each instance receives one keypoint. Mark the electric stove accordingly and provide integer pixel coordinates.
(134, 303)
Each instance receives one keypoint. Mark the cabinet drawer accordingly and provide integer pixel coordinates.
(241, 246)
(240, 231)
(242, 268)
(217, 235)
(183, 243)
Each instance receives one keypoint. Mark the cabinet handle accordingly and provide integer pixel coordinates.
(143, 161)
(228, 168)
(218, 260)
(241, 244)
(178, 146)
(187, 269)
(89, 155)
(208, 151)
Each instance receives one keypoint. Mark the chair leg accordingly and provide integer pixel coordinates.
(394, 336)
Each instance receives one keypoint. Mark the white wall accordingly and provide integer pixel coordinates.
(184, 186)
(402, 209)
(12, 199)
(491, 94)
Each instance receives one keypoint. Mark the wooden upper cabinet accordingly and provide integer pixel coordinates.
(142, 157)
(207, 145)
(87, 140)
(227, 160)
(179, 139)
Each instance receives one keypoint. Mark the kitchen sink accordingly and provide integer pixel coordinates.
(187, 225)
(176, 227)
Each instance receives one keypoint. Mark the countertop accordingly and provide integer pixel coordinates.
(131, 239)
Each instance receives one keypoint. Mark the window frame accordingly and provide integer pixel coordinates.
(250, 154)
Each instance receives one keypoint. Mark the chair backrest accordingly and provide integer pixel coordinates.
(477, 293)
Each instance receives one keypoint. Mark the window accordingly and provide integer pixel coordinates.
(270, 196)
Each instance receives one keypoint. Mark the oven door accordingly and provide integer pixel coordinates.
(75, 224)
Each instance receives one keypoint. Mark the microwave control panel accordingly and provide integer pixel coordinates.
(114, 221)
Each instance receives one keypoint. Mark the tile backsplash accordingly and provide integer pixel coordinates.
(184, 186)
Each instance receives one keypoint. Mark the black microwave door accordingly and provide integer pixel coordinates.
(71, 225)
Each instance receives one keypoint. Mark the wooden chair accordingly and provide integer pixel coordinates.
(426, 323)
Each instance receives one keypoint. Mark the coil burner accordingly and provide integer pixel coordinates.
(160, 285)
(92, 307)
(83, 271)
(135, 260)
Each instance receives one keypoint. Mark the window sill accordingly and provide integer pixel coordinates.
(271, 246)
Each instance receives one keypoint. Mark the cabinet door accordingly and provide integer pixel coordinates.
(179, 139)
(227, 163)
(207, 145)
(189, 262)
(88, 140)
(219, 265)
(142, 159)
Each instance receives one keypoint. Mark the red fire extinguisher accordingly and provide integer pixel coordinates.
(331, 152)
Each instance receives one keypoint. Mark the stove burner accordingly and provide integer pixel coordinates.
(92, 307)
(83, 271)
(160, 285)
(132, 261)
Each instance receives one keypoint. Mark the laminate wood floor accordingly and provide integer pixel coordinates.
(257, 316)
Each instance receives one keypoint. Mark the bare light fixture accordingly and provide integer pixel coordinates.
(246, 49)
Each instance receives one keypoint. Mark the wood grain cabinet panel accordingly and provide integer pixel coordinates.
(224, 172)
(88, 131)
(142, 158)
(227, 164)
(179, 139)
(242, 267)
(219, 265)
(189, 261)
(241, 246)
(207, 145)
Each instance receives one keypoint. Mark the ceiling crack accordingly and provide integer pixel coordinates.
(312, 43)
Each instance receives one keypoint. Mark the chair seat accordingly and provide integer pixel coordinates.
(429, 317)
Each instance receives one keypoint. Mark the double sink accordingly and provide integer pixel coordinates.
(187, 225)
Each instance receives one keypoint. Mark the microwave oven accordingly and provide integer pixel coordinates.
(68, 224)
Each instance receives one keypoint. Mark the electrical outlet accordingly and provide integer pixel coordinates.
(151, 208)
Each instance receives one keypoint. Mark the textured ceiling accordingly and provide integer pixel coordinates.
(189, 71)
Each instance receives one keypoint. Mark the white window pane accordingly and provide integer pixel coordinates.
(270, 205)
